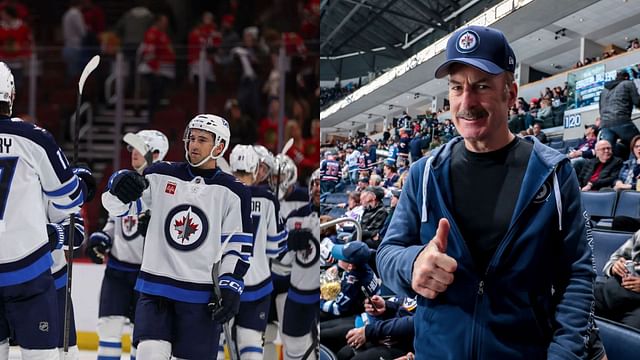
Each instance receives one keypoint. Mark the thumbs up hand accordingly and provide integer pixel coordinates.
(433, 269)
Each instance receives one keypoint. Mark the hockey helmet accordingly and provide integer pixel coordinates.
(7, 86)
(244, 158)
(283, 175)
(214, 124)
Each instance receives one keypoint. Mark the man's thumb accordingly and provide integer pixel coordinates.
(441, 235)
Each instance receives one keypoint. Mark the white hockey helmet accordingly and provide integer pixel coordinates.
(214, 124)
(266, 157)
(288, 175)
(7, 86)
(147, 142)
(244, 158)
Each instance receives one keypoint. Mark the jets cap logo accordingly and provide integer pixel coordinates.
(186, 227)
(129, 227)
(467, 41)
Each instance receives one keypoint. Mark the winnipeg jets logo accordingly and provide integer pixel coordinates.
(129, 227)
(467, 41)
(310, 256)
(186, 227)
(543, 194)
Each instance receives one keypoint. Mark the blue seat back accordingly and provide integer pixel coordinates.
(599, 203)
(621, 342)
(604, 244)
(336, 198)
(326, 354)
(628, 204)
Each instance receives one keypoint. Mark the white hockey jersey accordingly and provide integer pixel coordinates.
(299, 197)
(270, 239)
(126, 251)
(196, 221)
(30, 164)
(305, 267)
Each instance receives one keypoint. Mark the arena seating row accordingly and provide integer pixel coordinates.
(602, 206)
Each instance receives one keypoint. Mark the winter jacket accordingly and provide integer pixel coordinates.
(629, 172)
(608, 174)
(372, 222)
(616, 102)
(395, 326)
(533, 301)
(350, 300)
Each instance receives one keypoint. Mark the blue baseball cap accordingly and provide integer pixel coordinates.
(355, 252)
(484, 48)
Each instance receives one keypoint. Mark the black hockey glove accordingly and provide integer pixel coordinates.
(97, 246)
(225, 308)
(56, 236)
(299, 239)
(84, 174)
(127, 185)
(143, 222)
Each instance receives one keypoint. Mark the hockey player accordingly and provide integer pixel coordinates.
(266, 165)
(303, 299)
(123, 237)
(31, 165)
(290, 195)
(200, 216)
(269, 241)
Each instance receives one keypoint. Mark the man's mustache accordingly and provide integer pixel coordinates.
(472, 113)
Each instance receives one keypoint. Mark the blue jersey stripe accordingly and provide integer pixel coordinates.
(75, 203)
(64, 190)
(28, 272)
(238, 238)
(121, 265)
(278, 237)
(110, 344)
(253, 295)
(310, 298)
(254, 349)
(172, 292)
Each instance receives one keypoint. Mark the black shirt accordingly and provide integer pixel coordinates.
(485, 190)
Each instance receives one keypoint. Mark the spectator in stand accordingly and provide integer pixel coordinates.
(73, 32)
(601, 171)
(21, 10)
(354, 211)
(15, 43)
(306, 164)
(268, 126)
(391, 176)
(249, 58)
(545, 114)
(351, 162)
(618, 297)
(362, 184)
(329, 173)
(539, 134)
(402, 166)
(131, 27)
(403, 144)
(534, 106)
(387, 334)
(586, 150)
(374, 215)
(243, 129)
(375, 180)
(635, 44)
(628, 178)
(94, 20)
(617, 100)
(204, 38)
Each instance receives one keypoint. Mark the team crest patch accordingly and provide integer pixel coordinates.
(129, 227)
(467, 42)
(43, 326)
(543, 194)
(186, 227)
(310, 256)
(170, 188)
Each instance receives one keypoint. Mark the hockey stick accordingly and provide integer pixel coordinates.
(226, 327)
(88, 69)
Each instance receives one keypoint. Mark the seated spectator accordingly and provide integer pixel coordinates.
(628, 178)
(387, 334)
(618, 297)
(390, 175)
(601, 171)
(539, 134)
(362, 184)
(337, 315)
(375, 180)
(373, 217)
(354, 211)
(586, 149)
(402, 166)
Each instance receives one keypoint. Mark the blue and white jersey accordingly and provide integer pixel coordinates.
(61, 221)
(31, 164)
(330, 170)
(270, 239)
(305, 265)
(195, 222)
(297, 198)
(126, 250)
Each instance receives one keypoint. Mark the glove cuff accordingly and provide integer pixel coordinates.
(100, 237)
(59, 230)
(232, 283)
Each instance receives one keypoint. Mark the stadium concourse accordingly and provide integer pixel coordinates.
(383, 109)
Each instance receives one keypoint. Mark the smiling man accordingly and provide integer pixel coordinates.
(489, 231)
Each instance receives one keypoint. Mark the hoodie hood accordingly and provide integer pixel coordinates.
(611, 84)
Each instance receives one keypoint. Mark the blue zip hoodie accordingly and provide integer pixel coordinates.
(534, 300)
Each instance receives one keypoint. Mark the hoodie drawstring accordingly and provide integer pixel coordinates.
(425, 182)
(556, 190)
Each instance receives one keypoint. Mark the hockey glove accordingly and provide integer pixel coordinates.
(98, 245)
(127, 185)
(143, 222)
(225, 308)
(299, 239)
(84, 174)
(56, 236)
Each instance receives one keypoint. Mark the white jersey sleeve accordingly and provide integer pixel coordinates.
(305, 268)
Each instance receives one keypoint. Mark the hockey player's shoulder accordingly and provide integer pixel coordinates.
(26, 130)
(166, 168)
(302, 211)
(262, 192)
(299, 194)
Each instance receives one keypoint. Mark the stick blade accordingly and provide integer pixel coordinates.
(88, 69)
(287, 146)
